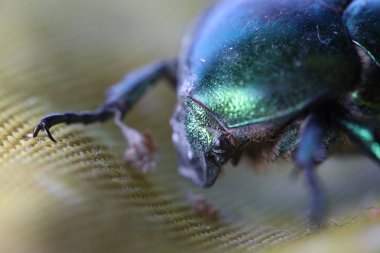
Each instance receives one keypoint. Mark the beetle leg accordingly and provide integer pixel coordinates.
(311, 147)
(120, 98)
(363, 134)
(129, 90)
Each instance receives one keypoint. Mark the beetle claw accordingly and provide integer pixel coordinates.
(50, 136)
(36, 130)
(43, 126)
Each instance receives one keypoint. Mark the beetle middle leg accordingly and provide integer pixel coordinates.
(120, 98)
(310, 151)
(366, 135)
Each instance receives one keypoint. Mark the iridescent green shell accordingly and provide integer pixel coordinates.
(253, 61)
(362, 18)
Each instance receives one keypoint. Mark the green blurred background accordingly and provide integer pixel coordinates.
(79, 196)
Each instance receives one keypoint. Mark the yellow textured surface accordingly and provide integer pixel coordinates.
(78, 196)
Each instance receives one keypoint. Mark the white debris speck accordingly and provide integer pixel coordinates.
(31, 101)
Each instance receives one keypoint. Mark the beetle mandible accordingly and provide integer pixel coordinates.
(280, 77)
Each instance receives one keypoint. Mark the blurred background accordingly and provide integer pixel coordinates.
(79, 196)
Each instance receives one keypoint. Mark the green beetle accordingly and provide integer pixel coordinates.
(279, 77)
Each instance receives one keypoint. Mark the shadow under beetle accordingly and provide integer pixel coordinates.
(283, 78)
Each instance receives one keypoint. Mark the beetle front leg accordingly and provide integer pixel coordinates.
(310, 152)
(120, 98)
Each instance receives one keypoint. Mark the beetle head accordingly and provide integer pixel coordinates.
(202, 143)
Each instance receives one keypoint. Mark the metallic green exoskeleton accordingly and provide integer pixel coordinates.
(271, 79)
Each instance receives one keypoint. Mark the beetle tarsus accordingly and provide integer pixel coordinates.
(318, 202)
(70, 118)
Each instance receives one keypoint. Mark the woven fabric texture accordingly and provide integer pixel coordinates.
(78, 195)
